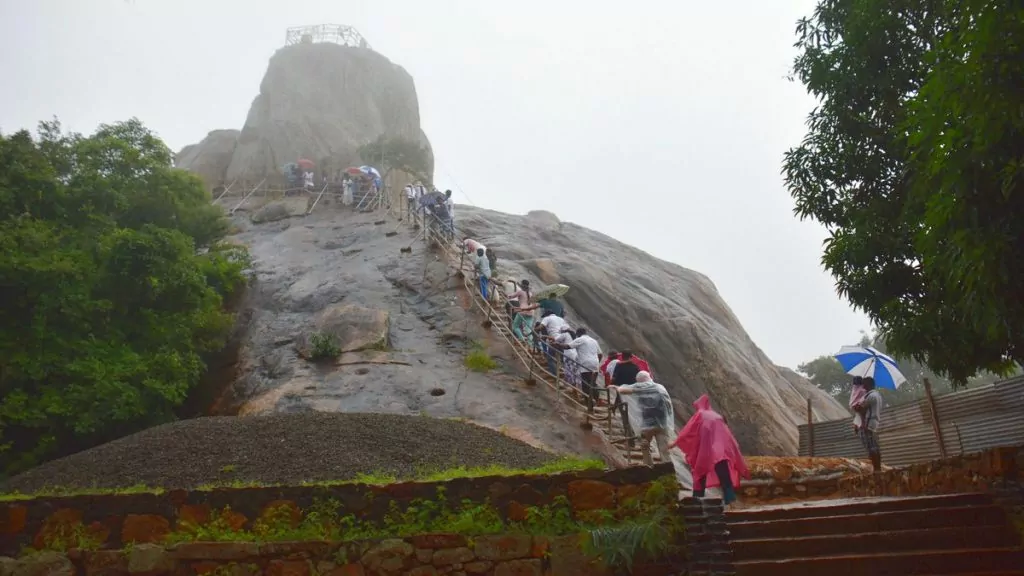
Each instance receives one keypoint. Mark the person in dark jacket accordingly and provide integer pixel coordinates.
(551, 305)
(626, 370)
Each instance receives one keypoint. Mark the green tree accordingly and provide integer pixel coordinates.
(397, 153)
(913, 162)
(113, 284)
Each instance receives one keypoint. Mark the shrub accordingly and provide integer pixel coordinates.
(478, 360)
(324, 346)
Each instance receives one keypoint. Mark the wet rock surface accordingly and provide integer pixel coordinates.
(335, 260)
(319, 101)
(281, 448)
(672, 316)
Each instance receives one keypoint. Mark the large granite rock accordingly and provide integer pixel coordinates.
(210, 157)
(320, 101)
(353, 328)
(672, 316)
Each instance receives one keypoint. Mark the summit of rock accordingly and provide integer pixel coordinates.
(320, 101)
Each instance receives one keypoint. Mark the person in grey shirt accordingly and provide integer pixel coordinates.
(870, 410)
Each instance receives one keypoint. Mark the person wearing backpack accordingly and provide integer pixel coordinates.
(650, 414)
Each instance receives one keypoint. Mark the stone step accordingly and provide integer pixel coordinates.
(953, 538)
(822, 508)
(865, 523)
(945, 562)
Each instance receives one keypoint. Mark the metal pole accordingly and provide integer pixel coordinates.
(810, 429)
(242, 201)
(225, 190)
(322, 190)
(935, 417)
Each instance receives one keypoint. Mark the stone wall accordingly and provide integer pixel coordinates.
(979, 472)
(993, 471)
(424, 555)
(708, 551)
(116, 520)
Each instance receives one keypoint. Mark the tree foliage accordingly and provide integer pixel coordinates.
(112, 287)
(397, 153)
(913, 161)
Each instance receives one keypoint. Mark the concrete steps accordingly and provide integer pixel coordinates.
(958, 534)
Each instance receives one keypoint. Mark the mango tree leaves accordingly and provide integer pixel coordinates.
(912, 162)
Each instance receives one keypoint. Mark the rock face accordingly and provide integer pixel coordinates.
(352, 327)
(319, 101)
(671, 316)
(403, 327)
(410, 328)
(210, 157)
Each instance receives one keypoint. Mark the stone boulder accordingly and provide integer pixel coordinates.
(210, 157)
(288, 207)
(672, 316)
(354, 328)
(322, 101)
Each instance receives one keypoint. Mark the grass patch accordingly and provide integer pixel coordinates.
(324, 346)
(51, 491)
(323, 520)
(478, 360)
(559, 466)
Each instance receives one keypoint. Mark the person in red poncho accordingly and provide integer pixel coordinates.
(712, 452)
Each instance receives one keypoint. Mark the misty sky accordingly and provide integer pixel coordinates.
(662, 124)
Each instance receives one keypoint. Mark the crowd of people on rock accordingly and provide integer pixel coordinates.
(710, 452)
(429, 205)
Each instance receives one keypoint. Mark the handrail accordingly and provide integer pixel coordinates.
(319, 196)
(225, 191)
(564, 389)
(246, 197)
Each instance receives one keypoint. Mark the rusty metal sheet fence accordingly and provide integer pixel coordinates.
(968, 421)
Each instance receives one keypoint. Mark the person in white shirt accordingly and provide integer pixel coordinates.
(570, 366)
(589, 353)
(410, 198)
(553, 324)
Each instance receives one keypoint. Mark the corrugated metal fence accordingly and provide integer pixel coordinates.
(969, 421)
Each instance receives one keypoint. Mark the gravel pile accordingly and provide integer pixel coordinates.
(281, 449)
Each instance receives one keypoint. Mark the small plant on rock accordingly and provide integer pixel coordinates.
(478, 360)
(650, 533)
(324, 346)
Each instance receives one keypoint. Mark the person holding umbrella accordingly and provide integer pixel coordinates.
(876, 370)
(870, 411)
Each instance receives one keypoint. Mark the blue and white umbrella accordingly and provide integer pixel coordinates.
(865, 361)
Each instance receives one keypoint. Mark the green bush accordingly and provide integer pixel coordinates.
(113, 284)
(478, 360)
(324, 346)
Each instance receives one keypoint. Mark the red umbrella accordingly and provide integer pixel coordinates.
(304, 163)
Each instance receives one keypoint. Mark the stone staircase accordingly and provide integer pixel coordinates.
(955, 534)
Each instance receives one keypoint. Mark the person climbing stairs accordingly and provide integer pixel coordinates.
(953, 534)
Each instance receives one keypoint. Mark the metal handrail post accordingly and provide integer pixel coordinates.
(225, 190)
(246, 197)
(315, 202)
